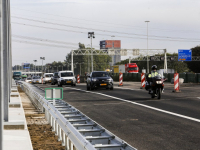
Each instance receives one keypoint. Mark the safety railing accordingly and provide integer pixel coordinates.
(73, 128)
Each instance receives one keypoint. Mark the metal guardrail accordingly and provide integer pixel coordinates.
(73, 128)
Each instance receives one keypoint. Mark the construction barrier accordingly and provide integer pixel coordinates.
(176, 83)
(78, 78)
(120, 79)
(142, 80)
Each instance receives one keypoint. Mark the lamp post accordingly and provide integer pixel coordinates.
(35, 65)
(42, 58)
(147, 48)
(91, 35)
(113, 57)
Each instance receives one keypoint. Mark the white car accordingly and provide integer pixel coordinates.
(66, 78)
(28, 80)
(47, 77)
(36, 79)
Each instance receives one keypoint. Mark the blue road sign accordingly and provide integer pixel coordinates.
(184, 55)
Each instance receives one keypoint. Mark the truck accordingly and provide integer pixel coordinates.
(126, 68)
(17, 75)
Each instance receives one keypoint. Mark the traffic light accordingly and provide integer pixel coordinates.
(172, 58)
(152, 58)
(162, 58)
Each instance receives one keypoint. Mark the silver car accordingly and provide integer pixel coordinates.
(36, 79)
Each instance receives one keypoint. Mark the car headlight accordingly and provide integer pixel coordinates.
(110, 80)
(94, 79)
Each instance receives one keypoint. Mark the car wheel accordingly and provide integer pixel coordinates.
(91, 87)
(75, 84)
(58, 84)
(111, 88)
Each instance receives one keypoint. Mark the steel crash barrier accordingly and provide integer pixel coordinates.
(73, 128)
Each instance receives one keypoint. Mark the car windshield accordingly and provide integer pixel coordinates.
(100, 74)
(66, 74)
(48, 75)
(56, 74)
(35, 77)
(28, 79)
(134, 68)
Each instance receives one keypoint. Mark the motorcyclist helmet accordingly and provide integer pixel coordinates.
(154, 67)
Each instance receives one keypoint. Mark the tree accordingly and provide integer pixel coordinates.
(194, 65)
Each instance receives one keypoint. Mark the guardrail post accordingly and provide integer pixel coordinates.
(56, 127)
(51, 121)
(72, 146)
(53, 124)
(63, 137)
(66, 142)
(59, 134)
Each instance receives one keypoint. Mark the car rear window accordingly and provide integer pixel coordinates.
(67, 74)
(48, 75)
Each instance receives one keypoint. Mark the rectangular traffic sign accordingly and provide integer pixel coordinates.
(53, 93)
(184, 55)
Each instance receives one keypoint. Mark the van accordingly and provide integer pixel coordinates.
(66, 78)
(47, 77)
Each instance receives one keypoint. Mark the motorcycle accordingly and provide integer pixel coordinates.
(156, 85)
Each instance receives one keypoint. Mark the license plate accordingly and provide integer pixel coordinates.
(37, 81)
(103, 84)
(68, 81)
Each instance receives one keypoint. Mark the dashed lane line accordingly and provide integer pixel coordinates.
(153, 108)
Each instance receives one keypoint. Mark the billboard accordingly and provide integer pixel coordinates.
(26, 65)
(184, 55)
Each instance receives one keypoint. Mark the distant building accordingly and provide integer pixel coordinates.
(112, 44)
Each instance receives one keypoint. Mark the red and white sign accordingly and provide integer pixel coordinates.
(143, 80)
(176, 82)
(78, 78)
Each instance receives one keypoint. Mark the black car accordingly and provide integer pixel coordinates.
(54, 78)
(99, 79)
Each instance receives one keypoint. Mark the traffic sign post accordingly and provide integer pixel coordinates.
(184, 55)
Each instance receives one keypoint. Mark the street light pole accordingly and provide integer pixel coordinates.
(91, 35)
(43, 58)
(35, 65)
(147, 48)
(113, 57)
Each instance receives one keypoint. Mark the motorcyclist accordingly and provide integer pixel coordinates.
(150, 76)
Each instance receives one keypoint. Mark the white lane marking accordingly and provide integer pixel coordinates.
(153, 108)
(198, 97)
(126, 88)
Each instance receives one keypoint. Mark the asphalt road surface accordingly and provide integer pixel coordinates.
(171, 123)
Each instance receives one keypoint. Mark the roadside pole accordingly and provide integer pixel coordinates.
(1, 81)
(5, 57)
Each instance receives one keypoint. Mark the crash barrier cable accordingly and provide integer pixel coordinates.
(74, 129)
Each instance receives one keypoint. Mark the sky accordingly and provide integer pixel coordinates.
(52, 28)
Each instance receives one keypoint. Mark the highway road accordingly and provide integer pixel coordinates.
(172, 122)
